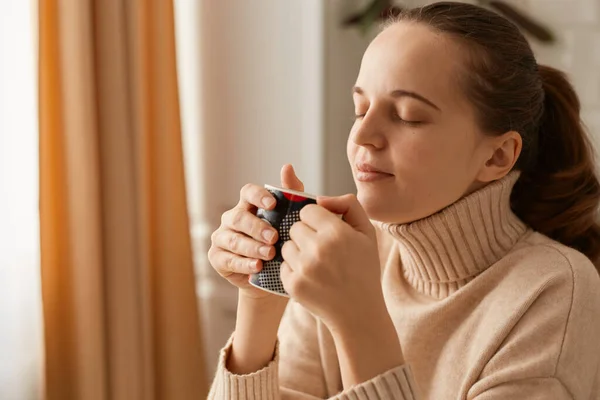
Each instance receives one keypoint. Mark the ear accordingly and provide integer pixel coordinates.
(504, 153)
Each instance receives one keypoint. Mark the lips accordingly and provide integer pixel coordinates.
(366, 167)
(369, 173)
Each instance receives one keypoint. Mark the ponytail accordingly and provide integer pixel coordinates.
(559, 194)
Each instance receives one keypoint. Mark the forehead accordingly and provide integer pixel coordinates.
(413, 57)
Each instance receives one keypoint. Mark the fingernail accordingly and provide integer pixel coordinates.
(264, 251)
(268, 235)
(253, 265)
(268, 202)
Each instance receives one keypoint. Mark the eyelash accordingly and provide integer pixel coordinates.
(409, 123)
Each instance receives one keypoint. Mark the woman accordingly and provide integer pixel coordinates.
(475, 279)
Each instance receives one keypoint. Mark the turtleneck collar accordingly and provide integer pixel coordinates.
(443, 252)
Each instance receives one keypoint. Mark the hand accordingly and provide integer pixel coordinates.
(331, 265)
(243, 240)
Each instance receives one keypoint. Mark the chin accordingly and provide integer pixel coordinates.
(381, 208)
(389, 209)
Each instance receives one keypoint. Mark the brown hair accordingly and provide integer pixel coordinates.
(558, 192)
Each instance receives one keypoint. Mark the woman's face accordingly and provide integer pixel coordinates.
(415, 125)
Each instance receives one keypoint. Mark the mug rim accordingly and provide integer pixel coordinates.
(291, 191)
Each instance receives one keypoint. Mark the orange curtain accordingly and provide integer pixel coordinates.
(120, 312)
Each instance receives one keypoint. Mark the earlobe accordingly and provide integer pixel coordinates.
(504, 155)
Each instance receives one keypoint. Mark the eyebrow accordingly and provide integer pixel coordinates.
(402, 93)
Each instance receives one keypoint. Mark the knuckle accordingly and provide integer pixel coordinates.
(249, 192)
(318, 258)
(213, 237)
(233, 242)
(296, 286)
(245, 190)
(318, 251)
(257, 227)
(210, 255)
(240, 264)
(329, 236)
(230, 264)
(226, 216)
(256, 251)
(219, 263)
(308, 266)
(236, 217)
(334, 237)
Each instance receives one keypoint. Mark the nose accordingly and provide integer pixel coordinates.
(368, 132)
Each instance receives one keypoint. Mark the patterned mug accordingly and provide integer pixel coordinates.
(282, 217)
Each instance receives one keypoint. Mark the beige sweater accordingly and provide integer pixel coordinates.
(484, 307)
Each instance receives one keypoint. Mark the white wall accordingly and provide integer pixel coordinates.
(253, 94)
(251, 91)
(344, 48)
(577, 25)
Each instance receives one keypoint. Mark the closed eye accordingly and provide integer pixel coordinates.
(409, 123)
(396, 118)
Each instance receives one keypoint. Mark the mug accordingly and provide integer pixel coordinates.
(285, 213)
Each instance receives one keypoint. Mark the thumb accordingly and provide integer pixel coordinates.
(351, 210)
(289, 180)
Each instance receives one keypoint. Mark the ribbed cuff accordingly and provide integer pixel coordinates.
(259, 385)
(397, 384)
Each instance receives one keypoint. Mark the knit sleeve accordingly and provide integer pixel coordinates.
(296, 371)
(262, 384)
(397, 384)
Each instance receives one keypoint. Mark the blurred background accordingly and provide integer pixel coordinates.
(128, 127)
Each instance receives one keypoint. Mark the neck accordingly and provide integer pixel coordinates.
(443, 252)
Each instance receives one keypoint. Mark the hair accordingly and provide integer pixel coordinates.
(558, 192)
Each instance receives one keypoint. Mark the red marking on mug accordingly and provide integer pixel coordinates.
(294, 197)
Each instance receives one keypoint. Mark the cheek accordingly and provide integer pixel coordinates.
(433, 153)
(351, 149)
(433, 169)
(416, 155)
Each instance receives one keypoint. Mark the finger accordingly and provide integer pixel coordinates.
(227, 263)
(316, 216)
(302, 235)
(349, 207)
(289, 180)
(256, 196)
(241, 220)
(285, 274)
(242, 245)
(290, 253)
